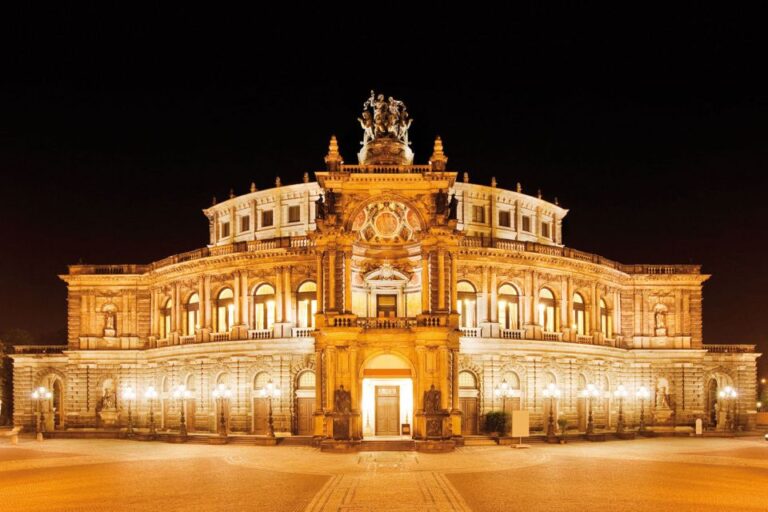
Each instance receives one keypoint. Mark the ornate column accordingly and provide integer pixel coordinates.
(443, 375)
(454, 279)
(175, 310)
(207, 303)
(201, 306)
(494, 313)
(287, 295)
(244, 298)
(278, 295)
(348, 281)
(330, 372)
(565, 303)
(535, 299)
(235, 301)
(455, 378)
(319, 283)
(484, 302)
(425, 283)
(441, 279)
(595, 323)
(332, 280)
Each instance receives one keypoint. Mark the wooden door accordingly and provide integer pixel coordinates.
(189, 413)
(387, 410)
(468, 408)
(260, 415)
(306, 416)
(581, 407)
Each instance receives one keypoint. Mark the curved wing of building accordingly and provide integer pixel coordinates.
(384, 299)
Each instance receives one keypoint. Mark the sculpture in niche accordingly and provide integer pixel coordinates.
(660, 320)
(441, 202)
(663, 398)
(343, 400)
(319, 207)
(453, 207)
(432, 400)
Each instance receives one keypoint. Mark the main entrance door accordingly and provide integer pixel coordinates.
(306, 414)
(387, 410)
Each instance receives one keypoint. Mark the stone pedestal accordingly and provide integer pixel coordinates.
(109, 418)
(662, 416)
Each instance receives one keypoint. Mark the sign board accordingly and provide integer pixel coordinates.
(699, 429)
(520, 424)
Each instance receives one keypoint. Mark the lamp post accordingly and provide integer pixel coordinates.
(729, 395)
(38, 395)
(504, 391)
(642, 394)
(553, 393)
(621, 394)
(151, 395)
(589, 393)
(129, 394)
(222, 394)
(181, 393)
(270, 391)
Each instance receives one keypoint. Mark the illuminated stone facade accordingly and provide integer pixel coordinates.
(381, 295)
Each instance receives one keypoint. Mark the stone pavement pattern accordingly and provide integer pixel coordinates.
(647, 474)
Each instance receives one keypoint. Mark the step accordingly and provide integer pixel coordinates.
(479, 441)
(404, 445)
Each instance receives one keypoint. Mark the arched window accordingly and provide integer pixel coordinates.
(260, 381)
(547, 310)
(605, 319)
(306, 380)
(306, 299)
(225, 310)
(465, 305)
(191, 382)
(579, 314)
(264, 307)
(467, 380)
(193, 311)
(509, 307)
(511, 379)
(165, 319)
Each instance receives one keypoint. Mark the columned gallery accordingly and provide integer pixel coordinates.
(383, 300)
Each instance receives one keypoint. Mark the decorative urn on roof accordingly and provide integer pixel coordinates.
(385, 124)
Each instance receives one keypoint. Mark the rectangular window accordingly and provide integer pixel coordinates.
(266, 218)
(545, 229)
(526, 223)
(245, 223)
(505, 219)
(224, 229)
(478, 214)
(294, 215)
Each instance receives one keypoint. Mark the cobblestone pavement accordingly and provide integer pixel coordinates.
(646, 474)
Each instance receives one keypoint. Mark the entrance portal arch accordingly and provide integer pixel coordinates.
(387, 406)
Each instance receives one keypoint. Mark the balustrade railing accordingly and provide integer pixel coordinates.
(219, 336)
(301, 332)
(512, 334)
(260, 334)
(584, 338)
(386, 323)
(552, 336)
(39, 349)
(724, 348)
(187, 339)
(470, 332)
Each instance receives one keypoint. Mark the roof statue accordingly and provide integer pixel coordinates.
(385, 124)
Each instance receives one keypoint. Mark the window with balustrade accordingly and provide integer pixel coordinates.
(165, 319)
(508, 302)
(466, 303)
(192, 311)
(267, 218)
(264, 307)
(579, 314)
(306, 301)
(547, 318)
(225, 310)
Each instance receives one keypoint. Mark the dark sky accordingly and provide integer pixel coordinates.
(117, 127)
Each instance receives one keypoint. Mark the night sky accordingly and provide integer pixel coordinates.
(117, 128)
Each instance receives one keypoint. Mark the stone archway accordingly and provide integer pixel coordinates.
(387, 403)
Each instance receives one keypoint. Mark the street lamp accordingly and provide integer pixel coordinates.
(553, 393)
(38, 395)
(222, 394)
(181, 393)
(129, 395)
(504, 391)
(589, 393)
(728, 394)
(151, 395)
(621, 394)
(642, 394)
(270, 391)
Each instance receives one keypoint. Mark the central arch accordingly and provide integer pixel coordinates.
(387, 395)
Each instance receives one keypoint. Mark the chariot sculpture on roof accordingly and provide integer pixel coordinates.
(389, 119)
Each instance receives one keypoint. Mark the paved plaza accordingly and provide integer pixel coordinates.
(646, 474)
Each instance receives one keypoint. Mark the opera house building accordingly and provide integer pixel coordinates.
(383, 301)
